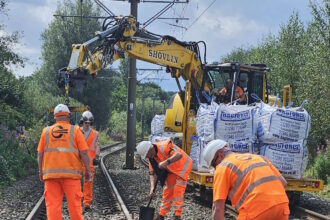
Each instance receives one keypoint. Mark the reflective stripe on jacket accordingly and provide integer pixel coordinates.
(180, 167)
(61, 155)
(250, 182)
(91, 137)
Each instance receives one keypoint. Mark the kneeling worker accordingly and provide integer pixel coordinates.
(91, 137)
(178, 164)
(61, 151)
(254, 186)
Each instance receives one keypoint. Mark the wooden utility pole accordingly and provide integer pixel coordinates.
(142, 114)
(131, 105)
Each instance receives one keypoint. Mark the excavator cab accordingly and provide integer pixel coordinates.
(251, 78)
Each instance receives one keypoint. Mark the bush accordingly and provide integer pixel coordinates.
(18, 159)
(104, 138)
(322, 166)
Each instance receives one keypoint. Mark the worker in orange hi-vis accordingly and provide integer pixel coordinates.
(254, 186)
(224, 95)
(167, 156)
(62, 151)
(91, 137)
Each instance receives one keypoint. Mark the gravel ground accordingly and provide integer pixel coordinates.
(313, 202)
(17, 201)
(103, 205)
(134, 188)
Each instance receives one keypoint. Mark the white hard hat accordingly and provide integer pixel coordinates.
(61, 110)
(211, 148)
(87, 116)
(143, 148)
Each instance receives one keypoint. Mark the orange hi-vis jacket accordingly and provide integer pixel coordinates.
(239, 94)
(251, 182)
(60, 144)
(91, 137)
(181, 167)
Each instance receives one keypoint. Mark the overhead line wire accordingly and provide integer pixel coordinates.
(201, 14)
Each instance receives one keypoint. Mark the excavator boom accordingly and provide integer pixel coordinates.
(125, 39)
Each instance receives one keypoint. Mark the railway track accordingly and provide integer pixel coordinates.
(111, 202)
(304, 213)
(107, 200)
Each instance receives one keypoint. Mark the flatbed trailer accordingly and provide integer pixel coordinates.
(294, 188)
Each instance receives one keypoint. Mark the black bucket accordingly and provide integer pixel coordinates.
(146, 213)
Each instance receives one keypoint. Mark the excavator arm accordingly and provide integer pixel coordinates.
(124, 39)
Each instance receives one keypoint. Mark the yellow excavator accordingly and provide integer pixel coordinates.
(123, 38)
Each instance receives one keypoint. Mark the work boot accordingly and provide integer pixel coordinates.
(177, 217)
(159, 217)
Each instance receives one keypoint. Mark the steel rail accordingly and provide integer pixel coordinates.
(37, 208)
(303, 212)
(113, 187)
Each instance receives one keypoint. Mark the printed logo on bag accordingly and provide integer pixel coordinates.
(291, 114)
(286, 147)
(239, 116)
(239, 147)
(58, 131)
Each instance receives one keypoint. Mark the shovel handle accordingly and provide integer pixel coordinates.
(153, 191)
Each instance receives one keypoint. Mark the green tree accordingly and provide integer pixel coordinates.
(56, 50)
(299, 55)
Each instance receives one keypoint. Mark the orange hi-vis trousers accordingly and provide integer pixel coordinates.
(54, 189)
(173, 193)
(88, 189)
(277, 212)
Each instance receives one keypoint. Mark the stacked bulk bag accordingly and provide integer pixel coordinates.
(205, 127)
(157, 124)
(290, 158)
(282, 134)
(196, 152)
(283, 125)
(235, 124)
(205, 118)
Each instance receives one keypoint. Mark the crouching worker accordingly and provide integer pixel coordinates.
(61, 152)
(91, 137)
(167, 156)
(254, 186)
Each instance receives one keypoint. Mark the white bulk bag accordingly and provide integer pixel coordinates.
(157, 124)
(234, 124)
(205, 118)
(289, 158)
(197, 148)
(282, 125)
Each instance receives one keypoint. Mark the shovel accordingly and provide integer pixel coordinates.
(146, 212)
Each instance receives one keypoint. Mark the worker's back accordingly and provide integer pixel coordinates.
(180, 167)
(251, 183)
(61, 155)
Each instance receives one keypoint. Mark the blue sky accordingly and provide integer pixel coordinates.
(226, 25)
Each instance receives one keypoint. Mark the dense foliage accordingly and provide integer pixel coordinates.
(299, 55)
(15, 157)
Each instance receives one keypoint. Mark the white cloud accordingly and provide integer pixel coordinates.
(27, 70)
(26, 51)
(43, 14)
(228, 27)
